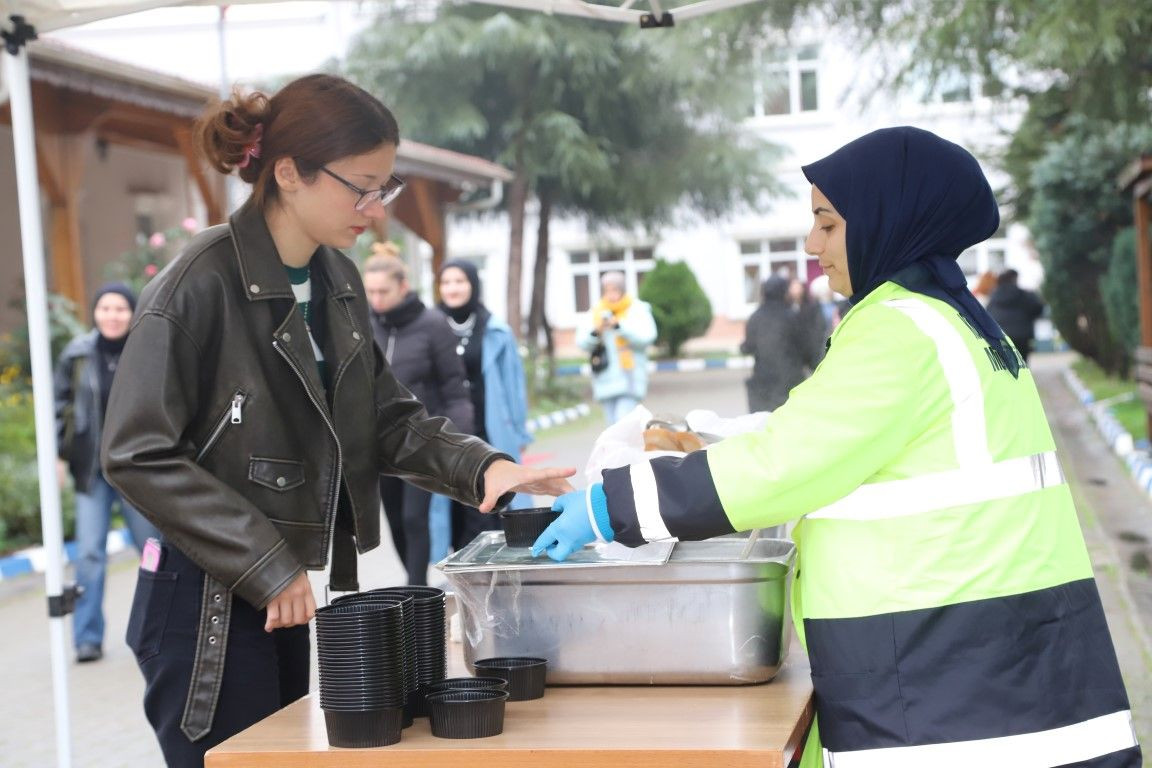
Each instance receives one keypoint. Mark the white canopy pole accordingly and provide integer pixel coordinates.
(39, 343)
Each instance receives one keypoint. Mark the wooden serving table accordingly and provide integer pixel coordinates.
(572, 726)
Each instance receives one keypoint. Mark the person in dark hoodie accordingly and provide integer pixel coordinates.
(417, 343)
(1016, 310)
(83, 379)
(784, 349)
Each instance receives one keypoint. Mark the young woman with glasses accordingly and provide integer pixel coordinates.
(252, 415)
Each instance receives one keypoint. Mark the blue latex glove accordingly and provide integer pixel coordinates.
(573, 529)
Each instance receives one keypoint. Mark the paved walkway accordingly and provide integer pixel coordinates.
(109, 729)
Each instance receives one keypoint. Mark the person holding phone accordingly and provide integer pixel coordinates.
(623, 328)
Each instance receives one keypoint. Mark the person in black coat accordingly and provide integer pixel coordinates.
(421, 350)
(1016, 311)
(785, 348)
(82, 381)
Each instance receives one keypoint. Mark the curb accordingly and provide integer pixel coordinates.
(556, 418)
(1138, 460)
(35, 559)
(676, 366)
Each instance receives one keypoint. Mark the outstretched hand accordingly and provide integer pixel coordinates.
(503, 476)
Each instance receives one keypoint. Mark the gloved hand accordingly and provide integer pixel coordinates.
(574, 528)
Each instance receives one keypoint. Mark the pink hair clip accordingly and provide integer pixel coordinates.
(252, 149)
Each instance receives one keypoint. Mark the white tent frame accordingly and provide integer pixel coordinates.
(659, 15)
(20, 22)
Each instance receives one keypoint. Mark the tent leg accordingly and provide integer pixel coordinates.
(39, 342)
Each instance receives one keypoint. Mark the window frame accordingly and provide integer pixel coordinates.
(594, 267)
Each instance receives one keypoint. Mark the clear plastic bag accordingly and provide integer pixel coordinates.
(620, 445)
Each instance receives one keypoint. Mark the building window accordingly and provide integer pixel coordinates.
(774, 256)
(788, 86)
(997, 260)
(583, 295)
(988, 256)
(588, 266)
(145, 226)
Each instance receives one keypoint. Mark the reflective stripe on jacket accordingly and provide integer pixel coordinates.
(943, 589)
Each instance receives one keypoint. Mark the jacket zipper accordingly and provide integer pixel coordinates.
(334, 490)
(336, 388)
(234, 415)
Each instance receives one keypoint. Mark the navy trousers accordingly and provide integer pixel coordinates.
(263, 671)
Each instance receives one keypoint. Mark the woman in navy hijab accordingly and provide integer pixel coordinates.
(916, 202)
(942, 590)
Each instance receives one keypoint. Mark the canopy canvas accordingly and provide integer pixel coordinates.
(20, 21)
(48, 15)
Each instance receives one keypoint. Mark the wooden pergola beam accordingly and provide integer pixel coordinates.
(1136, 179)
(210, 194)
(420, 209)
(60, 160)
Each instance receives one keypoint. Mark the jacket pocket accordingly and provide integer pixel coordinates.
(233, 414)
(149, 616)
(276, 474)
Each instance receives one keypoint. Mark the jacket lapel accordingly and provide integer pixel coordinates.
(265, 279)
(344, 339)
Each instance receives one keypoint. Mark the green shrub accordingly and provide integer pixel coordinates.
(1119, 289)
(19, 482)
(1077, 213)
(679, 305)
(15, 359)
(139, 265)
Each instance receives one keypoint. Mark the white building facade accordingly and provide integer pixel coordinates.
(809, 104)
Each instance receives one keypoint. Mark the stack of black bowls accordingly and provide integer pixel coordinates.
(430, 640)
(360, 648)
(407, 608)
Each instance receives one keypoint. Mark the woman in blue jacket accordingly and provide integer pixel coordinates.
(495, 383)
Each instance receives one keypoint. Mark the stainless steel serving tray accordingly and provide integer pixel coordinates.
(714, 612)
(489, 552)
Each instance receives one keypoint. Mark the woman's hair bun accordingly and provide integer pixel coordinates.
(229, 133)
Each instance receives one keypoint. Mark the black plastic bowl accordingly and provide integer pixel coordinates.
(363, 729)
(523, 526)
(471, 714)
(526, 675)
(467, 684)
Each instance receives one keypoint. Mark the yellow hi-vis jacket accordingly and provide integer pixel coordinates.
(943, 590)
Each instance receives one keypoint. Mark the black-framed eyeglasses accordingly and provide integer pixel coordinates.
(384, 195)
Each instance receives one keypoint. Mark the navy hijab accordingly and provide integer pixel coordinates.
(913, 202)
(473, 305)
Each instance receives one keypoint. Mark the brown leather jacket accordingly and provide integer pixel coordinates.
(220, 431)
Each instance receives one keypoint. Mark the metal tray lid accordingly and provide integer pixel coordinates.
(727, 549)
(488, 552)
